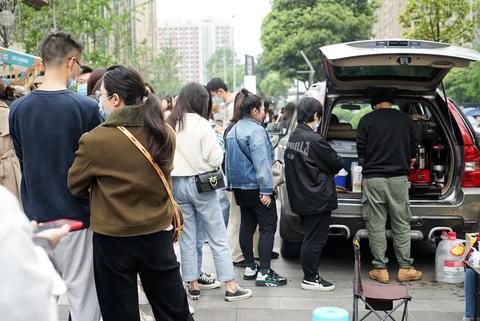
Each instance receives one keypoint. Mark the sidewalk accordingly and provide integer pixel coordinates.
(431, 301)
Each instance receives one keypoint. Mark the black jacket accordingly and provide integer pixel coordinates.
(310, 166)
(386, 143)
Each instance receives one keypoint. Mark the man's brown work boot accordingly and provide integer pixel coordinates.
(380, 275)
(408, 274)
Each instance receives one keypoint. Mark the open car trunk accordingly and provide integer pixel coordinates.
(432, 178)
(412, 70)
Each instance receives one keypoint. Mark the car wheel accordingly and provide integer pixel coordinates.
(290, 249)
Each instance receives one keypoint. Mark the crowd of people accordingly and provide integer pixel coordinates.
(99, 148)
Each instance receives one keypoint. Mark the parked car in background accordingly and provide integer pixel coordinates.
(445, 195)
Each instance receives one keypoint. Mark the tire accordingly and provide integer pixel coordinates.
(290, 249)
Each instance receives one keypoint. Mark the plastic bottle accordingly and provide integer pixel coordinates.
(449, 260)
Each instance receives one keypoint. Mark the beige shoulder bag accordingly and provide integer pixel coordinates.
(177, 220)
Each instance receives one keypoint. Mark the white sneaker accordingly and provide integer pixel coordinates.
(190, 308)
(250, 274)
(208, 281)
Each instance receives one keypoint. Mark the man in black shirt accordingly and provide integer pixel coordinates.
(386, 149)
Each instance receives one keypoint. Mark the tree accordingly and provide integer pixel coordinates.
(463, 85)
(292, 26)
(450, 21)
(98, 24)
(163, 75)
(274, 85)
(221, 64)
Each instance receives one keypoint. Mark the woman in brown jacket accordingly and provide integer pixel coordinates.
(10, 175)
(131, 212)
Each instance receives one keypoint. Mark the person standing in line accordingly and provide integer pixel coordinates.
(220, 94)
(82, 81)
(30, 283)
(310, 165)
(45, 126)
(10, 174)
(131, 208)
(197, 152)
(386, 148)
(249, 174)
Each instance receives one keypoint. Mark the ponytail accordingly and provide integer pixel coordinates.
(160, 143)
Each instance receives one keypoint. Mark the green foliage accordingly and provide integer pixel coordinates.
(292, 26)
(98, 24)
(450, 21)
(221, 64)
(274, 85)
(463, 85)
(163, 75)
(344, 115)
(358, 115)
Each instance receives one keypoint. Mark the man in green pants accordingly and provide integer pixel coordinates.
(386, 149)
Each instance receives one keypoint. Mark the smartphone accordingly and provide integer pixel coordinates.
(74, 225)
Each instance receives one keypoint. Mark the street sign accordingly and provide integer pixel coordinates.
(249, 65)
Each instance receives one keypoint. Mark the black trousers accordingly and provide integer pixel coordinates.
(316, 234)
(117, 260)
(266, 218)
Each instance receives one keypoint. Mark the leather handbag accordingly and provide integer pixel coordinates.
(177, 219)
(209, 181)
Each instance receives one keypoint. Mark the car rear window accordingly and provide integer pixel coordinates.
(402, 72)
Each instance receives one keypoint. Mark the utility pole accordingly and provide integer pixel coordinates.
(311, 73)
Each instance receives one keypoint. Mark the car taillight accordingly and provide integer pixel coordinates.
(471, 154)
(471, 173)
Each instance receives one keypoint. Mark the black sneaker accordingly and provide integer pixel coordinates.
(239, 294)
(194, 294)
(271, 278)
(208, 281)
(240, 263)
(317, 284)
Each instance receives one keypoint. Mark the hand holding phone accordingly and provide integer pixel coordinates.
(74, 225)
(54, 234)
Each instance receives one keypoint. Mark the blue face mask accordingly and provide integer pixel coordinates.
(82, 89)
(217, 100)
(315, 127)
(71, 84)
(103, 113)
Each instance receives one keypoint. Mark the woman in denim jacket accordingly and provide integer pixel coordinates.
(248, 165)
(197, 152)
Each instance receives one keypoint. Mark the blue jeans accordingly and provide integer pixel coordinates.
(224, 204)
(201, 210)
(470, 294)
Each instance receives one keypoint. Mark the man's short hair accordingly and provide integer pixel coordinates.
(59, 46)
(307, 108)
(381, 95)
(86, 70)
(215, 84)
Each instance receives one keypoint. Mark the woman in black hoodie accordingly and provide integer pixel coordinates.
(310, 166)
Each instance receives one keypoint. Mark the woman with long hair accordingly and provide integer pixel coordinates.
(198, 152)
(249, 174)
(131, 212)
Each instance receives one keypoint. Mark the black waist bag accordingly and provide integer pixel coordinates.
(209, 181)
